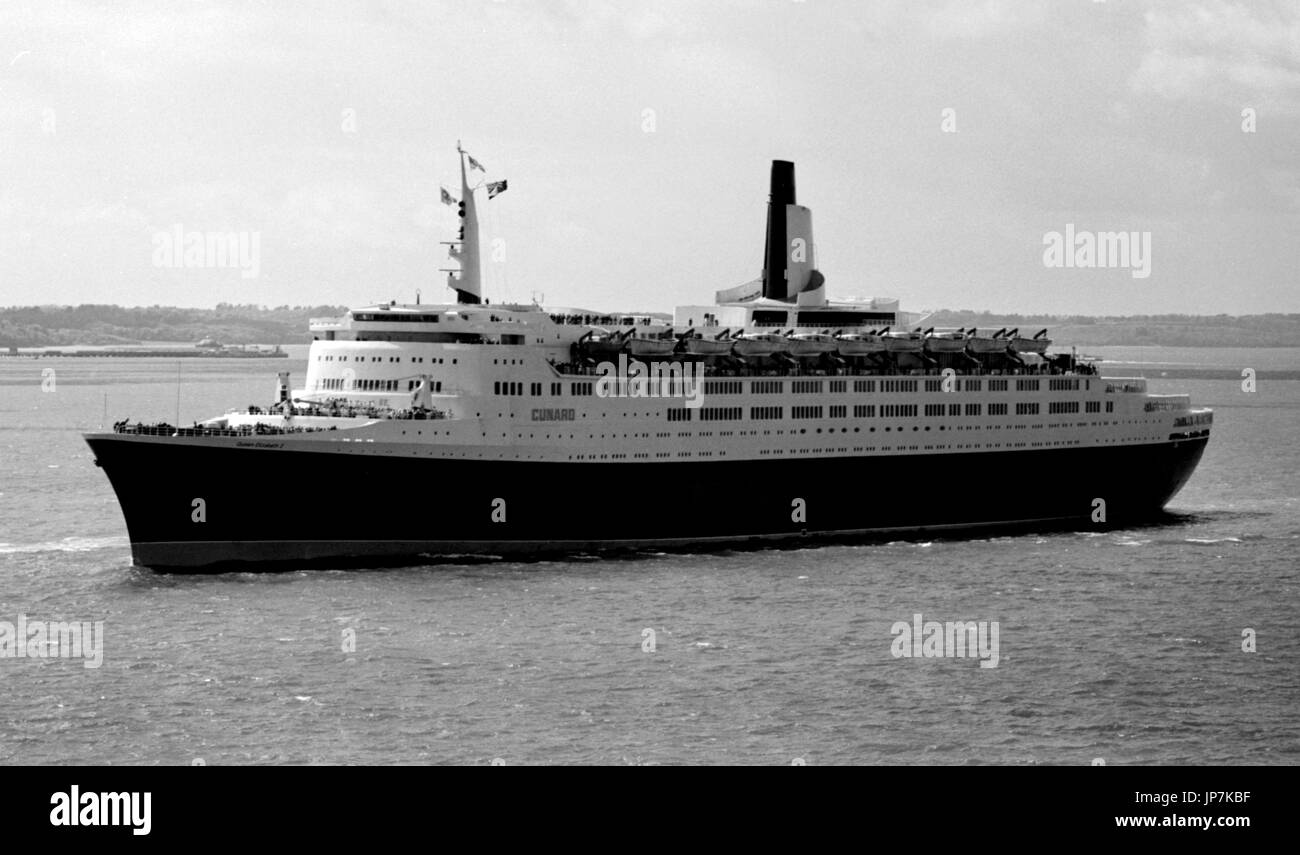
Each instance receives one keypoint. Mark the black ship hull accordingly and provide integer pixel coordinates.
(194, 507)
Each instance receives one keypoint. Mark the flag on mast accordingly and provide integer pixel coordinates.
(496, 188)
(474, 164)
(447, 198)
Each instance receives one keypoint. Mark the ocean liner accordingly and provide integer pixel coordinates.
(773, 414)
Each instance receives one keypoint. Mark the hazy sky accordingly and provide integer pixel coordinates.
(120, 120)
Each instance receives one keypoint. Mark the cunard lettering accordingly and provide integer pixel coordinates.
(549, 414)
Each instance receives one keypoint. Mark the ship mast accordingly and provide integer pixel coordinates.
(466, 281)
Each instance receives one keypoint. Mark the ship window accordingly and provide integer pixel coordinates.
(841, 318)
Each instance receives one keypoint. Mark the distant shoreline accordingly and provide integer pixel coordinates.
(31, 327)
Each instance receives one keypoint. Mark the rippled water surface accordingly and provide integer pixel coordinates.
(1124, 645)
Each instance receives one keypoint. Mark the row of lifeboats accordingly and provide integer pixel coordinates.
(815, 344)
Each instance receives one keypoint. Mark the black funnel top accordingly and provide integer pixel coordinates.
(776, 250)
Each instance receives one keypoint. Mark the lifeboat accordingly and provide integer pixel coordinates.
(758, 344)
(945, 342)
(809, 344)
(638, 346)
(1038, 344)
(602, 342)
(859, 344)
(698, 345)
(982, 345)
(902, 341)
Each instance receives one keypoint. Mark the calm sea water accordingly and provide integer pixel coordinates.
(1125, 645)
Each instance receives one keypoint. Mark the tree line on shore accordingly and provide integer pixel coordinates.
(94, 324)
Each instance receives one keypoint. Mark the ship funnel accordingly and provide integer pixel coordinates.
(789, 259)
(774, 251)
